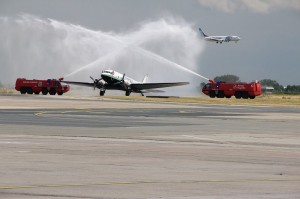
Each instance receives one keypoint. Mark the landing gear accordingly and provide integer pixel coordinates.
(127, 93)
(102, 93)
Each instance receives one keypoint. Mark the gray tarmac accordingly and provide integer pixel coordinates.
(90, 147)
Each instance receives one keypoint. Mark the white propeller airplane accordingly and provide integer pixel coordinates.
(219, 39)
(112, 80)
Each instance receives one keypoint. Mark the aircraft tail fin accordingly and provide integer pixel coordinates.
(203, 34)
(145, 79)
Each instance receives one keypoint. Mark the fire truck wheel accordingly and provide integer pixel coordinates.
(212, 94)
(29, 91)
(52, 91)
(221, 94)
(44, 91)
(23, 90)
(252, 97)
(245, 95)
(60, 93)
(238, 95)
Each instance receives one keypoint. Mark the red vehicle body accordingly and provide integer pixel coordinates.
(239, 90)
(51, 86)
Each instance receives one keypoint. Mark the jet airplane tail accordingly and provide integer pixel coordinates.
(203, 34)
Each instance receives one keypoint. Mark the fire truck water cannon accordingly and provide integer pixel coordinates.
(228, 89)
(51, 86)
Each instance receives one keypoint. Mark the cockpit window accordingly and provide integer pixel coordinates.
(207, 86)
(56, 84)
(107, 71)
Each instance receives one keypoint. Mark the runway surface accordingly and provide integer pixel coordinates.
(89, 147)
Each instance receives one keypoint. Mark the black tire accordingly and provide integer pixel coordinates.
(238, 95)
(221, 94)
(60, 93)
(245, 95)
(52, 91)
(29, 91)
(228, 96)
(212, 94)
(127, 93)
(44, 91)
(102, 93)
(252, 97)
(23, 90)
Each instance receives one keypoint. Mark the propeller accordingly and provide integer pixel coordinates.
(123, 78)
(96, 81)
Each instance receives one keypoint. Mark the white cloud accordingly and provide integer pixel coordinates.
(260, 6)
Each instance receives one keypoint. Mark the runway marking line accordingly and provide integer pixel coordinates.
(42, 113)
(148, 182)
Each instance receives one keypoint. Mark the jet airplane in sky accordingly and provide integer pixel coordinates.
(219, 39)
(113, 80)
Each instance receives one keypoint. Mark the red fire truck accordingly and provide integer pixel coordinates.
(51, 86)
(239, 90)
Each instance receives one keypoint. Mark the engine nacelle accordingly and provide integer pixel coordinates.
(127, 83)
(101, 83)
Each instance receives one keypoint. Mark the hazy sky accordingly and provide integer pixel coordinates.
(270, 30)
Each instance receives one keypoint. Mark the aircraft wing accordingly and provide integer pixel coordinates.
(80, 83)
(145, 86)
(214, 39)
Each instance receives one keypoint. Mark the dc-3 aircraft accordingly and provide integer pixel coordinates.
(112, 80)
(219, 39)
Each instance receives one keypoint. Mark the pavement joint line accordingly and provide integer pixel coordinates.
(148, 182)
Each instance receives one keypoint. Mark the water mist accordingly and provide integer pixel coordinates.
(168, 50)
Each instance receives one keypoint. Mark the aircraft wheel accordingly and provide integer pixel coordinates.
(127, 93)
(102, 93)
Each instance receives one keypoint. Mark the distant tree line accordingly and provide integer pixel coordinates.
(290, 89)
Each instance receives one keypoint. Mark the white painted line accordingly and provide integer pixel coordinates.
(205, 139)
